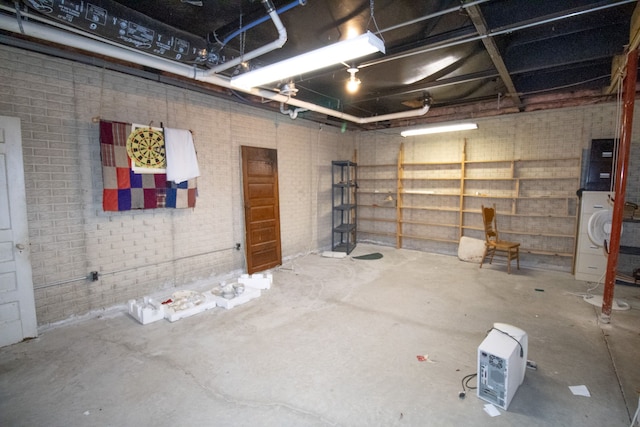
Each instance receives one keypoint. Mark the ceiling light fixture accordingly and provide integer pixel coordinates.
(353, 83)
(439, 129)
(343, 51)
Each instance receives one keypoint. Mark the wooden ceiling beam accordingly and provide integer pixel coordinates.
(492, 49)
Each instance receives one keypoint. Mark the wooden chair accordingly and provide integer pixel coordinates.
(493, 243)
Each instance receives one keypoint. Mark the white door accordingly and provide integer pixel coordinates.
(17, 304)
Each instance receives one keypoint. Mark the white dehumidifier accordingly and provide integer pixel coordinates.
(502, 361)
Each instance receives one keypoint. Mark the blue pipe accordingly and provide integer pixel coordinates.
(261, 20)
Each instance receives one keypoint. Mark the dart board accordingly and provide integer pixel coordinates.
(145, 147)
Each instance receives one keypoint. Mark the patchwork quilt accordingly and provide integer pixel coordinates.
(124, 189)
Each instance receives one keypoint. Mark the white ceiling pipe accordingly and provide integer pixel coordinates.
(44, 32)
(333, 113)
(276, 44)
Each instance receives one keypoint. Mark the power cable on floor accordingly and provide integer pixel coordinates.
(466, 386)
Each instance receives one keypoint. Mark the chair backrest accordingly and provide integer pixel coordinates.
(489, 221)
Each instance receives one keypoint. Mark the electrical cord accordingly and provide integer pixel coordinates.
(466, 386)
(510, 336)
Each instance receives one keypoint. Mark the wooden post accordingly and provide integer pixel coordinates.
(399, 189)
(463, 172)
(628, 98)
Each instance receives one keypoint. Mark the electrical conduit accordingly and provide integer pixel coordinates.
(276, 44)
(259, 21)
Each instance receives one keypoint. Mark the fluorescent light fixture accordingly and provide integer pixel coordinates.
(343, 51)
(439, 129)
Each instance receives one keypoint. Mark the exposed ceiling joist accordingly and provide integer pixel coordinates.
(489, 44)
(451, 52)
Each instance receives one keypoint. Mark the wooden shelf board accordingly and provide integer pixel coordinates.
(525, 233)
(563, 159)
(487, 196)
(378, 219)
(431, 163)
(491, 179)
(433, 239)
(547, 197)
(431, 179)
(378, 233)
(542, 178)
(541, 252)
(420, 193)
(382, 193)
(430, 224)
(376, 206)
(431, 208)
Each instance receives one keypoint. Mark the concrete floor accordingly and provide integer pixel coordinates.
(335, 342)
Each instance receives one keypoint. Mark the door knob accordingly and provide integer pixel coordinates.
(20, 247)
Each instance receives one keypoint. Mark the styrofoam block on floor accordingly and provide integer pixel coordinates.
(333, 254)
(470, 249)
(228, 303)
(146, 311)
(188, 303)
(257, 281)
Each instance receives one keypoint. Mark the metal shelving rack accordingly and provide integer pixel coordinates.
(344, 216)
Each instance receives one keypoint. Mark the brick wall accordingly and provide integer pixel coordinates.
(546, 134)
(141, 252)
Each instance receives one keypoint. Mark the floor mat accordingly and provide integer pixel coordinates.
(374, 255)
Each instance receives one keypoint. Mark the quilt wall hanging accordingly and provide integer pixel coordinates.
(144, 167)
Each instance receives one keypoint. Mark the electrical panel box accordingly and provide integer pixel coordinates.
(600, 175)
(502, 361)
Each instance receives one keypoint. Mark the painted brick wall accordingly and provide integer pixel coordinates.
(545, 134)
(141, 252)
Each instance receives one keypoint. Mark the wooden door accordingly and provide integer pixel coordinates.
(17, 304)
(261, 208)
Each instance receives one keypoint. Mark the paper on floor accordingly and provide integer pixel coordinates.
(579, 390)
(491, 410)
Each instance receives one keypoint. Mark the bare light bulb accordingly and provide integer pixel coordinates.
(353, 83)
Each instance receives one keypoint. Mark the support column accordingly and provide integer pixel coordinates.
(629, 94)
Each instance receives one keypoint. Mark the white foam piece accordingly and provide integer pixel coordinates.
(228, 303)
(470, 249)
(146, 311)
(187, 304)
(256, 281)
(332, 254)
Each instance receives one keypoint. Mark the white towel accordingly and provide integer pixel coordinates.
(182, 163)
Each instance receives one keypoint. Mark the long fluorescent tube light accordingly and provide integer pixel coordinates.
(343, 51)
(439, 129)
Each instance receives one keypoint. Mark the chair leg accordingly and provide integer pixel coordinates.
(509, 261)
(518, 258)
(484, 255)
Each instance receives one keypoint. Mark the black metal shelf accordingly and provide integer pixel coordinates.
(344, 217)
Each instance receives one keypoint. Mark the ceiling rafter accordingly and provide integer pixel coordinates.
(492, 49)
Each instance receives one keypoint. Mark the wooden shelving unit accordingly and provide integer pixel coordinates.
(441, 201)
(377, 192)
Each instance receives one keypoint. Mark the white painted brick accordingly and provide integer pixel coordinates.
(56, 100)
